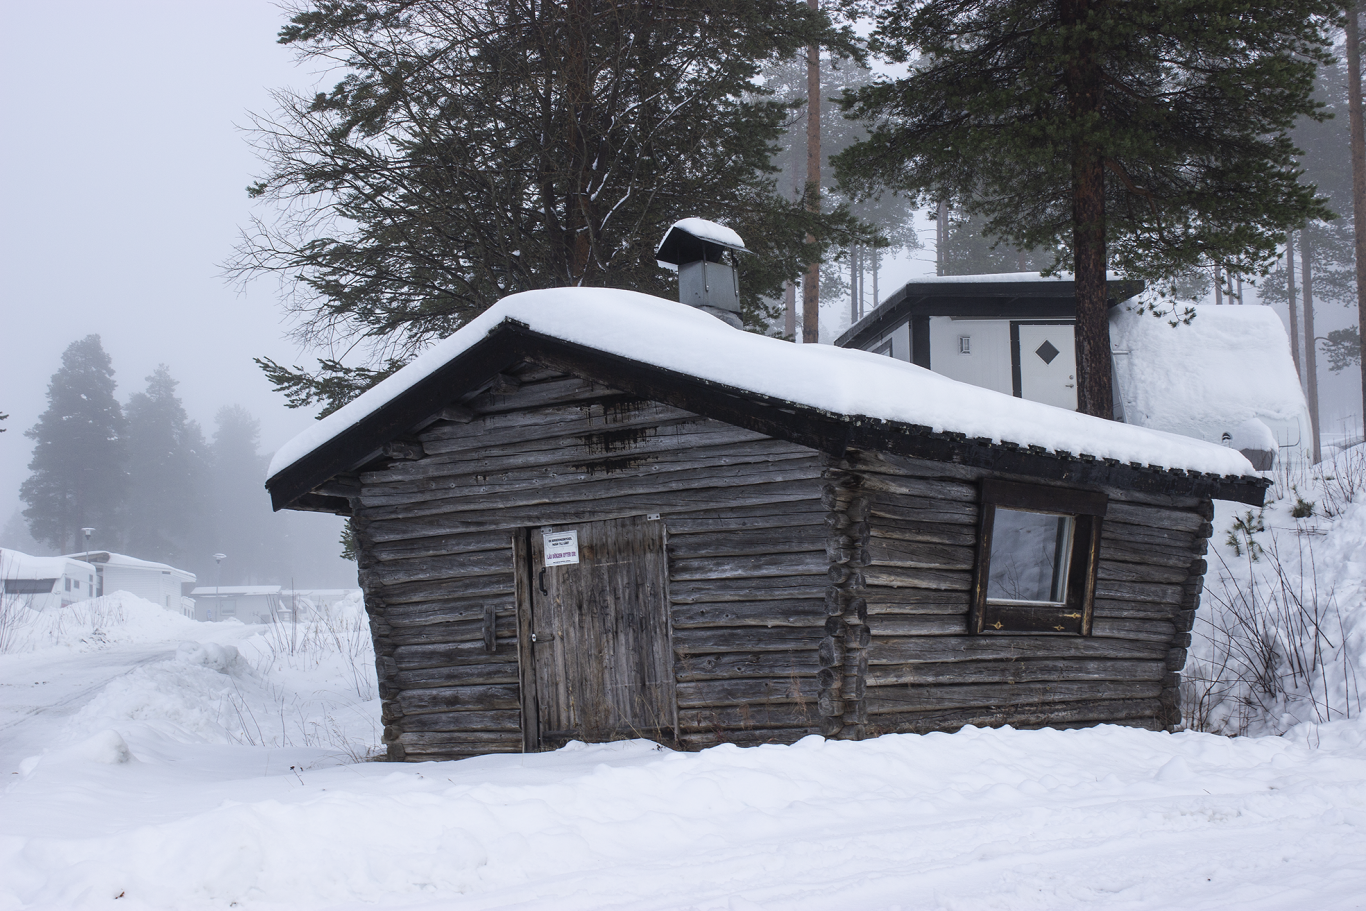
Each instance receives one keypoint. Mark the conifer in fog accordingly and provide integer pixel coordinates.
(79, 475)
(166, 472)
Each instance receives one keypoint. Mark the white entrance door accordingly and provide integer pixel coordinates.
(1048, 365)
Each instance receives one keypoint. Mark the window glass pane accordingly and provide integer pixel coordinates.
(1029, 556)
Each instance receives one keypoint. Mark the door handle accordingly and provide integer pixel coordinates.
(541, 583)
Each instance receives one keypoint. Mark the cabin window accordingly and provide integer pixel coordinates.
(1037, 554)
(884, 348)
(29, 586)
(68, 584)
(965, 344)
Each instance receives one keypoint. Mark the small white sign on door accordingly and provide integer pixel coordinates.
(561, 547)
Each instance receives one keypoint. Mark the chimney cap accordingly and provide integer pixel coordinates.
(694, 239)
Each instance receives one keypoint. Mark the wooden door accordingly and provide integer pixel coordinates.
(598, 635)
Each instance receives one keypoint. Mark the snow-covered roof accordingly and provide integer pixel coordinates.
(18, 565)
(109, 558)
(1228, 367)
(706, 230)
(838, 381)
(210, 591)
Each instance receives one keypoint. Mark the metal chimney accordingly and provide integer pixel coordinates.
(698, 249)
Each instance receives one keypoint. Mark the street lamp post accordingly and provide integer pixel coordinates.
(90, 580)
(217, 581)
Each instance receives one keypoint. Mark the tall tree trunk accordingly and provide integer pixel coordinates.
(853, 285)
(1358, 145)
(1085, 99)
(811, 285)
(1311, 373)
(941, 233)
(877, 261)
(1218, 285)
(790, 311)
(1294, 313)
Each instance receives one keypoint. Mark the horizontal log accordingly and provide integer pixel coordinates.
(1149, 630)
(1147, 592)
(882, 600)
(919, 489)
(418, 743)
(939, 580)
(1133, 610)
(758, 588)
(1135, 712)
(748, 567)
(1171, 539)
(458, 698)
(438, 545)
(1154, 516)
(937, 649)
(1112, 571)
(417, 657)
(733, 665)
(445, 610)
(449, 566)
(882, 527)
(474, 586)
(883, 510)
(778, 612)
(1146, 553)
(920, 625)
(1017, 671)
(460, 722)
(905, 698)
(745, 737)
(788, 538)
(920, 555)
(726, 720)
(504, 672)
(755, 691)
(689, 642)
(785, 515)
(505, 628)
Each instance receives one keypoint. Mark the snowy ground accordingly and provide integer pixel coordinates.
(155, 762)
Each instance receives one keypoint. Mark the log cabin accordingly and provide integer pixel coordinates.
(595, 514)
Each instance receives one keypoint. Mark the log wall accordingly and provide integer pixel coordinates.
(807, 594)
(905, 616)
(747, 558)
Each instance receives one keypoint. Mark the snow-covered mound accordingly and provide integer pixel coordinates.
(118, 617)
(1102, 818)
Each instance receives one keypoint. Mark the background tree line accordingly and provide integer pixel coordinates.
(143, 475)
(470, 150)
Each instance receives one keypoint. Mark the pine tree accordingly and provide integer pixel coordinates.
(478, 149)
(166, 474)
(1148, 136)
(79, 475)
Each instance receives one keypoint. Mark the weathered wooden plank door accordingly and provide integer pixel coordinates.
(600, 643)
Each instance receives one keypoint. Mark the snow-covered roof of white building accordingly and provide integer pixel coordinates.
(855, 386)
(236, 591)
(18, 565)
(109, 558)
(1228, 367)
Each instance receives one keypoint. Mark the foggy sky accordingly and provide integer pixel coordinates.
(124, 172)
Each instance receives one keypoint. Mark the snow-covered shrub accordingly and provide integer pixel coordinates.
(1281, 632)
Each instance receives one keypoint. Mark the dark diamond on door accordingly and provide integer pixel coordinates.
(600, 650)
(1047, 352)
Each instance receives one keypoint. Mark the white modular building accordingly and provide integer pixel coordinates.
(155, 582)
(41, 583)
(247, 603)
(1227, 377)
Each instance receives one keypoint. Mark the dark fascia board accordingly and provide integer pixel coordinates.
(824, 431)
(977, 300)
